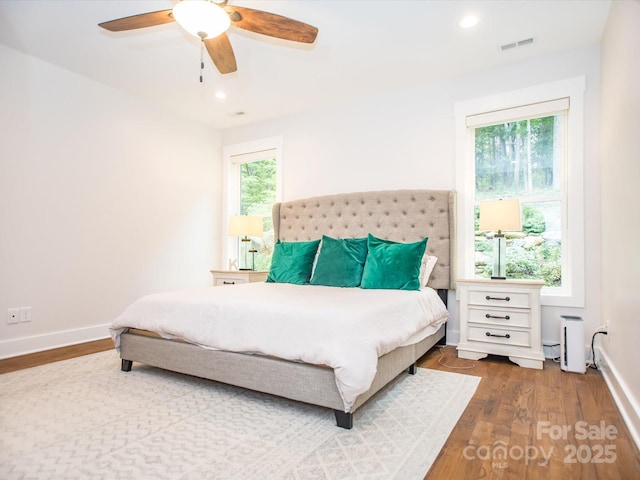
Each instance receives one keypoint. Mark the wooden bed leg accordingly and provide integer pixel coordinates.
(126, 365)
(344, 419)
(413, 369)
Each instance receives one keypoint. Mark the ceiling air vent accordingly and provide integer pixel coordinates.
(519, 43)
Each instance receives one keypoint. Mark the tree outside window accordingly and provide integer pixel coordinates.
(257, 196)
(523, 159)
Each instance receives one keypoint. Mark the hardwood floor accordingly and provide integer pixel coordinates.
(569, 418)
(34, 359)
(533, 414)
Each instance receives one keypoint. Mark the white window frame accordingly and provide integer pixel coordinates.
(232, 157)
(571, 294)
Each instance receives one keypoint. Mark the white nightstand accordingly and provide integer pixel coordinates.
(234, 277)
(501, 317)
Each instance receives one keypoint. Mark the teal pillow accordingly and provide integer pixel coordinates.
(340, 262)
(393, 265)
(292, 262)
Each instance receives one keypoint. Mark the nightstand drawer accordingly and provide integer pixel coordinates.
(497, 298)
(229, 281)
(500, 317)
(499, 335)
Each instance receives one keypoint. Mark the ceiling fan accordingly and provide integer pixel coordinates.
(210, 19)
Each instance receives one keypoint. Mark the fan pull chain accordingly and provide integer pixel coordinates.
(201, 58)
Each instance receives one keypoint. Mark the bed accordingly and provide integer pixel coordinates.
(344, 383)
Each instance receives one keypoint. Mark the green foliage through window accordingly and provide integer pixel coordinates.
(258, 194)
(523, 159)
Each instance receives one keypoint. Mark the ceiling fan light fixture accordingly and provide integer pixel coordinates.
(201, 18)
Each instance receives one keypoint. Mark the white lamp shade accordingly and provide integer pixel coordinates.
(245, 226)
(201, 18)
(500, 215)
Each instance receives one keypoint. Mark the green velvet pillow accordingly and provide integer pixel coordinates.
(393, 265)
(292, 262)
(340, 262)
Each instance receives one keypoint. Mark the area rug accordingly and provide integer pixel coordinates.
(85, 419)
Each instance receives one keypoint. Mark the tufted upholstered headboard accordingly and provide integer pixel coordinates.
(398, 215)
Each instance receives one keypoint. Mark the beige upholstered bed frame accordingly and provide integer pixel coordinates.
(402, 215)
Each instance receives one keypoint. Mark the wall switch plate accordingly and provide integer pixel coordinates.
(25, 314)
(13, 315)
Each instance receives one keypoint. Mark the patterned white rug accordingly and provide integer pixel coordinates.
(85, 419)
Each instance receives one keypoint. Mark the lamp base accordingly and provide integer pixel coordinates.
(499, 271)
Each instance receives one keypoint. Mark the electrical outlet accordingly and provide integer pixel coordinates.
(25, 314)
(13, 315)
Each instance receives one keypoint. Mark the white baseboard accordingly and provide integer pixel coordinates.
(627, 404)
(453, 337)
(37, 343)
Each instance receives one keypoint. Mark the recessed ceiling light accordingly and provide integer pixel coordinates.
(221, 95)
(469, 21)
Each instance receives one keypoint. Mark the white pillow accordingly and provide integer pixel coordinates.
(428, 263)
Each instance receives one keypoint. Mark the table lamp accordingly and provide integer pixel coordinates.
(500, 215)
(246, 226)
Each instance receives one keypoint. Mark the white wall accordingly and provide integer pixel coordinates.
(103, 198)
(406, 139)
(620, 159)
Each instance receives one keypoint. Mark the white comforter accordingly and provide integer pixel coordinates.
(344, 328)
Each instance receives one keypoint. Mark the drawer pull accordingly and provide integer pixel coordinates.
(489, 334)
(506, 299)
(506, 317)
(228, 283)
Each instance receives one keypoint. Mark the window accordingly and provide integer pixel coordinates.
(523, 144)
(521, 153)
(253, 186)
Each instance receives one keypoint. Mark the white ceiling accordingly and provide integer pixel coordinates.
(363, 47)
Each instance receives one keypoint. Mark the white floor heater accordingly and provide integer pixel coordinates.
(572, 347)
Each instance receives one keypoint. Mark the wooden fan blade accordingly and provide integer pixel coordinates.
(271, 24)
(150, 19)
(221, 53)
